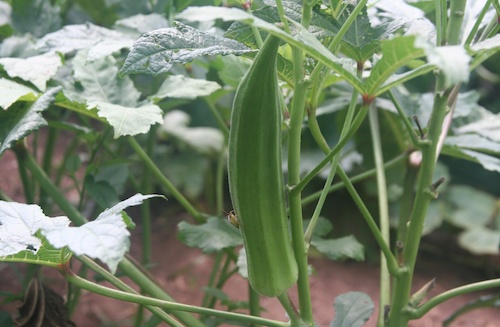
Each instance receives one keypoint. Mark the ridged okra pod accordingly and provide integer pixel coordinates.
(256, 178)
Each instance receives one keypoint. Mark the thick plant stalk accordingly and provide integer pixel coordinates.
(385, 285)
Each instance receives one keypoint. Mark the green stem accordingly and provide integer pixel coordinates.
(316, 75)
(283, 19)
(385, 278)
(124, 287)
(148, 301)
(407, 200)
(340, 145)
(141, 278)
(28, 188)
(454, 28)
(219, 181)
(490, 29)
(48, 156)
(466, 289)
(253, 302)
(406, 121)
(147, 284)
(441, 21)
(424, 195)
(147, 188)
(293, 314)
(398, 317)
(354, 179)
(294, 144)
(163, 180)
(477, 23)
(392, 264)
(335, 161)
(49, 187)
(211, 279)
(220, 121)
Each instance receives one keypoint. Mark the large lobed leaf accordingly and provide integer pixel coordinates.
(37, 70)
(11, 91)
(157, 51)
(106, 238)
(18, 225)
(100, 41)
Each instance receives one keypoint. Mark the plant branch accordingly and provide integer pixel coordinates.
(124, 287)
(148, 301)
(385, 286)
(163, 180)
(438, 299)
(294, 145)
(341, 143)
(354, 179)
(335, 161)
(392, 264)
(141, 278)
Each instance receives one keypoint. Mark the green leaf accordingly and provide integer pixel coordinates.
(362, 40)
(396, 53)
(182, 87)
(46, 255)
(232, 69)
(340, 249)
(487, 126)
(323, 226)
(139, 24)
(480, 241)
(37, 17)
(214, 235)
(37, 70)
(208, 141)
(11, 91)
(101, 191)
(484, 50)
(352, 309)
(106, 238)
(18, 46)
(100, 81)
(19, 121)
(115, 173)
(474, 142)
(473, 208)
(157, 51)
(18, 225)
(303, 40)
(129, 120)
(488, 162)
(320, 26)
(99, 41)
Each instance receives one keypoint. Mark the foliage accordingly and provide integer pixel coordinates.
(139, 93)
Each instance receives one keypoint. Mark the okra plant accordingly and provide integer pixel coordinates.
(288, 67)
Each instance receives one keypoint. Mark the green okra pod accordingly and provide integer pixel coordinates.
(256, 178)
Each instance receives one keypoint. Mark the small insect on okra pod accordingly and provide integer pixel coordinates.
(255, 175)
